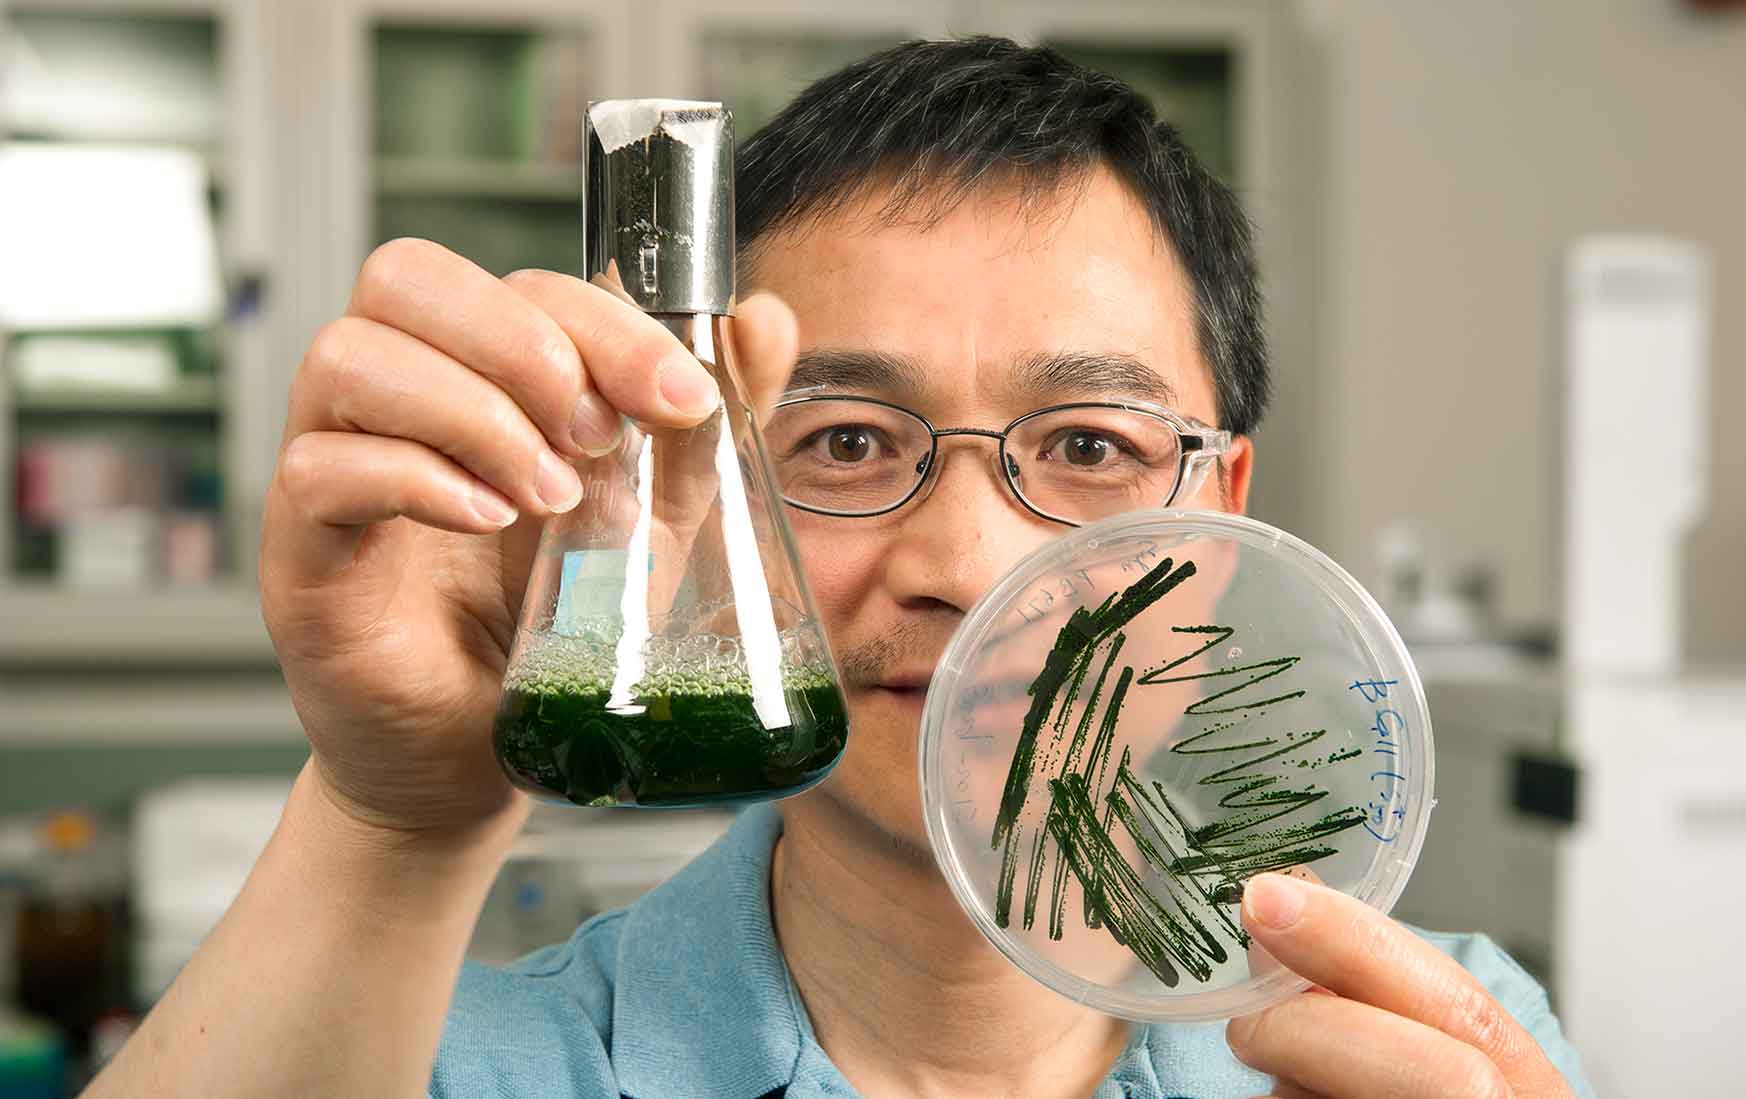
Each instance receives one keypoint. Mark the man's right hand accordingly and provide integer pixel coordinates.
(431, 430)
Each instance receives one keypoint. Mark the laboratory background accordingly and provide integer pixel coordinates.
(1504, 248)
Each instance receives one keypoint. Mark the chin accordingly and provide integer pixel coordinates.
(875, 789)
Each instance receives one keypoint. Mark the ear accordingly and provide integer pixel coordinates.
(1235, 469)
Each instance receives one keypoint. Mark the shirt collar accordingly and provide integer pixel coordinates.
(704, 1004)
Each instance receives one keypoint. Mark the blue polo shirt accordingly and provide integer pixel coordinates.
(685, 994)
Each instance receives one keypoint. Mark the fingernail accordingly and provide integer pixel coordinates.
(557, 484)
(492, 508)
(1275, 900)
(687, 386)
(594, 425)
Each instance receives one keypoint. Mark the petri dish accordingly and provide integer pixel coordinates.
(1142, 715)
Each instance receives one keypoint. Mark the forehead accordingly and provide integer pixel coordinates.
(993, 285)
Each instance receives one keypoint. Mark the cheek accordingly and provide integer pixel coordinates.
(840, 570)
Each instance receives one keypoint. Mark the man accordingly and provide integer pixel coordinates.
(971, 230)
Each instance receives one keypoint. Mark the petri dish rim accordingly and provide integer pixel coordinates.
(1390, 866)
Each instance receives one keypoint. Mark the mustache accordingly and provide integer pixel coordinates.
(870, 662)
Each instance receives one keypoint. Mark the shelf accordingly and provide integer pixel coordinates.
(188, 395)
(217, 625)
(423, 178)
(62, 711)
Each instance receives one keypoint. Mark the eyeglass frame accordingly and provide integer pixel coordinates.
(1199, 446)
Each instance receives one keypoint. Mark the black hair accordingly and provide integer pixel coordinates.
(934, 120)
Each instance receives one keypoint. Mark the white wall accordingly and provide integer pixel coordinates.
(1456, 149)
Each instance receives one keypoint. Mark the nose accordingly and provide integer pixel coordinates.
(962, 536)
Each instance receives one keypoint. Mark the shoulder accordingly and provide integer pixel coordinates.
(539, 1026)
(1518, 992)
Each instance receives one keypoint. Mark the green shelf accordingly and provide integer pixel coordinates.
(429, 177)
(1191, 88)
(757, 73)
(188, 395)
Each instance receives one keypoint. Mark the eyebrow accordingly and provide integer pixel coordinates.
(1042, 375)
(845, 368)
(1048, 374)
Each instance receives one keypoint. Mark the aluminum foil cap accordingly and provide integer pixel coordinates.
(659, 202)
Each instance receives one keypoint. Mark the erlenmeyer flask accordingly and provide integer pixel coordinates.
(668, 652)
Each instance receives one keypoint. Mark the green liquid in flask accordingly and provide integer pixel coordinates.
(691, 737)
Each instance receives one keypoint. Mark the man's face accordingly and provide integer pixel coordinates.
(965, 302)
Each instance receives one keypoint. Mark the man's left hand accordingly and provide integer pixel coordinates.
(1391, 1016)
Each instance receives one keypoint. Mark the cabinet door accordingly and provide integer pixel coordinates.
(755, 56)
(470, 127)
(133, 380)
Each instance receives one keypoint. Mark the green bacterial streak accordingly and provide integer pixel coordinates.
(1170, 910)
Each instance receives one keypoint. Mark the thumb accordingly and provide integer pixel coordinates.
(766, 338)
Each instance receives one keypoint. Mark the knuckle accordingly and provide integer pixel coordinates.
(560, 367)
(502, 432)
(1374, 938)
(1474, 1075)
(530, 279)
(336, 359)
(391, 263)
(1251, 1034)
(618, 339)
(1473, 1013)
(300, 469)
(1454, 1069)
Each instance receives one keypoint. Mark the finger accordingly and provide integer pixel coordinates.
(452, 304)
(332, 483)
(362, 376)
(628, 357)
(1285, 1089)
(765, 339)
(1356, 952)
(1261, 963)
(1341, 1047)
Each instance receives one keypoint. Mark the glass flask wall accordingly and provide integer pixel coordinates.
(668, 652)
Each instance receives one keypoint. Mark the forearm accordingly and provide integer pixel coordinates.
(331, 974)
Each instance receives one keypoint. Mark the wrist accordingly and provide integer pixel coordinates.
(438, 871)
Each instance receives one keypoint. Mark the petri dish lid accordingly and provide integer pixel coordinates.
(1145, 713)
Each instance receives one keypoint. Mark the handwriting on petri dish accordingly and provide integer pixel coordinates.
(1386, 809)
(1159, 882)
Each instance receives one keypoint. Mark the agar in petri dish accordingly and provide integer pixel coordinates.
(1142, 715)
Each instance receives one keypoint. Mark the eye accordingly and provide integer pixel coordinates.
(848, 443)
(1085, 448)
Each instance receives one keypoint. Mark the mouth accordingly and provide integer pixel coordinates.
(903, 690)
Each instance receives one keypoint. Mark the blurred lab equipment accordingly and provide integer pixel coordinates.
(568, 867)
(77, 259)
(109, 307)
(69, 926)
(195, 842)
(1657, 855)
(32, 1058)
(1606, 804)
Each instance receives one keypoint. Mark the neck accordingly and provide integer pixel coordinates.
(904, 994)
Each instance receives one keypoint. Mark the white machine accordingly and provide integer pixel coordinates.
(1648, 950)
